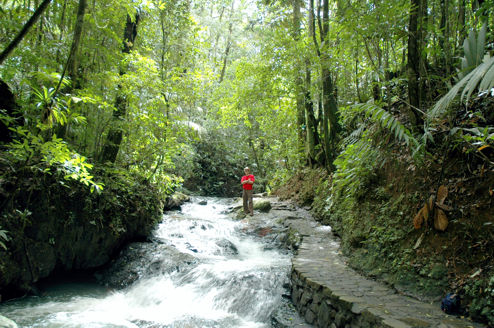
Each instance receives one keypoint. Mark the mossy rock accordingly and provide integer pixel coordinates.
(240, 214)
(262, 205)
(174, 201)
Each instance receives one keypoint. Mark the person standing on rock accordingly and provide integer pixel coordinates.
(247, 181)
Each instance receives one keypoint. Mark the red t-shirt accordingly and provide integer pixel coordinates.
(247, 186)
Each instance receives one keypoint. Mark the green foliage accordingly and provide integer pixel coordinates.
(477, 74)
(3, 238)
(473, 48)
(54, 152)
(388, 121)
(481, 293)
(477, 138)
(355, 169)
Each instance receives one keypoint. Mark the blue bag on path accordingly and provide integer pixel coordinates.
(450, 304)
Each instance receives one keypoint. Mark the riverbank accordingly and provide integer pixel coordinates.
(56, 226)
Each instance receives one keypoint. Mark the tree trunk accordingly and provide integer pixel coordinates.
(114, 138)
(299, 82)
(227, 52)
(330, 108)
(228, 44)
(444, 41)
(461, 24)
(414, 61)
(312, 134)
(73, 62)
(34, 18)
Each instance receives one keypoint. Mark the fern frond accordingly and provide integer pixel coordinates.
(355, 135)
(385, 119)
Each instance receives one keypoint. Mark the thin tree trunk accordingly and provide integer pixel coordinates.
(312, 134)
(312, 27)
(227, 52)
(299, 82)
(15, 42)
(356, 74)
(215, 45)
(73, 62)
(445, 36)
(228, 44)
(461, 23)
(330, 108)
(414, 61)
(114, 138)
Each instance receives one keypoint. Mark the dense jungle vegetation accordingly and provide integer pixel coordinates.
(377, 114)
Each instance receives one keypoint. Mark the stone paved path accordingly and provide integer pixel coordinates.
(330, 294)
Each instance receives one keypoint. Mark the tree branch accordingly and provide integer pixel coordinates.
(34, 18)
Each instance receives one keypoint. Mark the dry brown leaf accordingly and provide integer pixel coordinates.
(418, 219)
(440, 220)
(428, 208)
(442, 193)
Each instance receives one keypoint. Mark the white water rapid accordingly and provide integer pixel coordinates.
(236, 280)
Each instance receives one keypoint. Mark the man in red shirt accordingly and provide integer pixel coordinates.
(247, 181)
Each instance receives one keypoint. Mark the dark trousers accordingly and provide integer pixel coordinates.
(248, 203)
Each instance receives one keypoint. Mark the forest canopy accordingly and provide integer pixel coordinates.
(175, 90)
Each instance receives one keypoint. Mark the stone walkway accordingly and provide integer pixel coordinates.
(330, 294)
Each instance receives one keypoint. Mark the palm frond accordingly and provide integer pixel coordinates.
(488, 80)
(478, 74)
(483, 74)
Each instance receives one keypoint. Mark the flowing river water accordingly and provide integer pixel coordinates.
(234, 279)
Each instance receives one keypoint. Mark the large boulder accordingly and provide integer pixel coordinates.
(262, 205)
(175, 201)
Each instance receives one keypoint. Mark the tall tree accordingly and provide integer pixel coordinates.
(312, 123)
(73, 61)
(228, 43)
(299, 81)
(415, 60)
(110, 150)
(331, 126)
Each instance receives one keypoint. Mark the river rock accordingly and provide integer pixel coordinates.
(7, 323)
(203, 202)
(139, 260)
(175, 201)
(227, 247)
(262, 205)
(286, 316)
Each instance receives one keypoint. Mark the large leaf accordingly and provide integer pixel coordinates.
(477, 76)
(483, 74)
(488, 80)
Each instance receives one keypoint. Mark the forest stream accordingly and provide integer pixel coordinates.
(222, 277)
